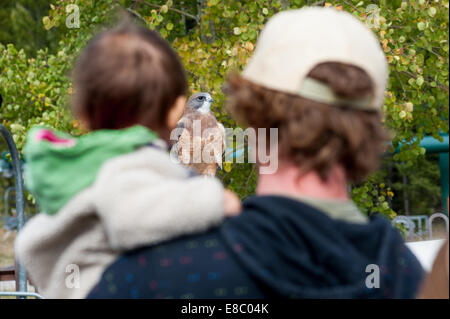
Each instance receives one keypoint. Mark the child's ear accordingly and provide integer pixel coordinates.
(176, 112)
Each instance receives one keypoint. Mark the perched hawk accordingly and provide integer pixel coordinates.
(201, 139)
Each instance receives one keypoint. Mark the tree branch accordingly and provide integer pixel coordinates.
(136, 14)
(439, 85)
(401, 83)
(317, 3)
(285, 4)
(184, 13)
(195, 76)
(249, 178)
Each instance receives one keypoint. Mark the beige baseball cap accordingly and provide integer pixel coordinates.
(293, 42)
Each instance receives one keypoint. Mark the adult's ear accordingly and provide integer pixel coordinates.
(176, 112)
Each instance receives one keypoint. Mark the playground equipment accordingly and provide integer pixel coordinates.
(420, 227)
(11, 222)
(434, 145)
(18, 271)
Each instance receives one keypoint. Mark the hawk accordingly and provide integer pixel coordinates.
(201, 139)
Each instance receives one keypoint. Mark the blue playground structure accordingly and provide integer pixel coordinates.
(433, 145)
(18, 272)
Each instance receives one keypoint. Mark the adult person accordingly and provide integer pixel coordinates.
(436, 284)
(318, 75)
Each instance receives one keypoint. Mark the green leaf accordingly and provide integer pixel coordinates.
(47, 23)
(421, 26)
(432, 11)
(420, 80)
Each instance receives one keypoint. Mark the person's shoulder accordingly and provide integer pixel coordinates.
(187, 266)
(148, 160)
(180, 244)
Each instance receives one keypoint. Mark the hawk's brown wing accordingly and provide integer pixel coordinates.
(202, 151)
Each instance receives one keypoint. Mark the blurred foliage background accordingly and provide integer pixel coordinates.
(215, 37)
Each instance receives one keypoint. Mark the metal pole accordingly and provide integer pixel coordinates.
(22, 275)
(6, 199)
(443, 165)
(21, 294)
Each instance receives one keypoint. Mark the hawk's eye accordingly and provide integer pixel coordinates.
(201, 98)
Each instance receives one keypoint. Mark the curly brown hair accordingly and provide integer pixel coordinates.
(313, 135)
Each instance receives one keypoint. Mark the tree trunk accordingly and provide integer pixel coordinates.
(406, 195)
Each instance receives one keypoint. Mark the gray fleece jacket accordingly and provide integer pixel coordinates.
(137, 199)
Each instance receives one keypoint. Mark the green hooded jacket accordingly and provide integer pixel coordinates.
(58, 165)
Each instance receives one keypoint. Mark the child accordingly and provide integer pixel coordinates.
(115, 188)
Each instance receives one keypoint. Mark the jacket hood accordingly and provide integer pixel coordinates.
(58, 165)
(296, 251)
